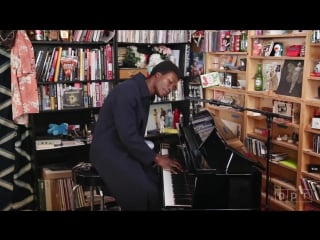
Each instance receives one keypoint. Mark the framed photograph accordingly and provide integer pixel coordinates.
(291, 78)
(154, 119)
(271, 71)
(230, 80)
(282, 108)
(72, 98)
(277, 49)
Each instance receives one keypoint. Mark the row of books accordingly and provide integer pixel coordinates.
(310, 189)
(256, 146)
(58, 193)
(202, 123)
(316, 143)
(91, 35)
(154, 36)
(55, 190)
(221, 41)
(70, 64)
(61, 96)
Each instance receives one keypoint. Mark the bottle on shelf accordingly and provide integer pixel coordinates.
(243, 42)
(258, 86)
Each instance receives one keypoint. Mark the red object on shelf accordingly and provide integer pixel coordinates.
(176, 116)
(315, 74)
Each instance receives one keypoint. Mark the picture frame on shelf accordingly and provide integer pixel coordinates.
(291, 78)
(282, 108)
(72, 98)
(271, 71)
(277, 49)
(230, 80)
(154, 118)
(315, 68)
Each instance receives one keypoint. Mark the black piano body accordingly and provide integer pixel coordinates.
(224, 179)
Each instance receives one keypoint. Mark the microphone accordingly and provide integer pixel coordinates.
(216, 103)
(239, 108)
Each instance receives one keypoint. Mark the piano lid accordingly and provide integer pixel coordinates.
(218, 147)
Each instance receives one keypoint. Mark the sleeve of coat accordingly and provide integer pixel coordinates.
(126, 112)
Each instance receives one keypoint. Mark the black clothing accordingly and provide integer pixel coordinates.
(118, 150)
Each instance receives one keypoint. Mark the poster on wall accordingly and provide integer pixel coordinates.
(197, 67)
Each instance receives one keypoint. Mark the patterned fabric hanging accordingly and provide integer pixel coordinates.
(16, 183)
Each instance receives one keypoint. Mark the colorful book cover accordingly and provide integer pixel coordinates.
(210, 79)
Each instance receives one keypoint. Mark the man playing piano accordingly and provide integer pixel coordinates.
(118, 150)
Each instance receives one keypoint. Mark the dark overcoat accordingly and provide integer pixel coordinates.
(118, 150)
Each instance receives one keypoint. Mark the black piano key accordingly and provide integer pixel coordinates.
(183, 188)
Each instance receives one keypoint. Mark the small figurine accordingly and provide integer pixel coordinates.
(162, 123)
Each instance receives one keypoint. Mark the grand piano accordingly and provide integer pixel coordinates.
(217, 177)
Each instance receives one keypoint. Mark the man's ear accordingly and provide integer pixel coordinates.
(158, 74)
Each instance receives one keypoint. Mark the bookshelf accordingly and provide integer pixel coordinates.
(230, 64)
(292, 185)
(309, 132)
(73, 93)
(296, 100)
(74, 75)
(278, 97)
(137, 51)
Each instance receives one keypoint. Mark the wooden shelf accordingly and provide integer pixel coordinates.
(287, 35)
(307, 103)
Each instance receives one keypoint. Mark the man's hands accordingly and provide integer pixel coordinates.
(168, 163)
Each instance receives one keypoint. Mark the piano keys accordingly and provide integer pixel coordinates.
(178, 189)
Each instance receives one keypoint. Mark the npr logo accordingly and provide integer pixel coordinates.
(290, 195)
(306, 194)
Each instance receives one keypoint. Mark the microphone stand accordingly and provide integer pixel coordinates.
(269, 118)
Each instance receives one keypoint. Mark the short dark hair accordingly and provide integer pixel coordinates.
(165, 67)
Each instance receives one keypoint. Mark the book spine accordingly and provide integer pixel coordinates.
(58, 65)
(109, 69)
